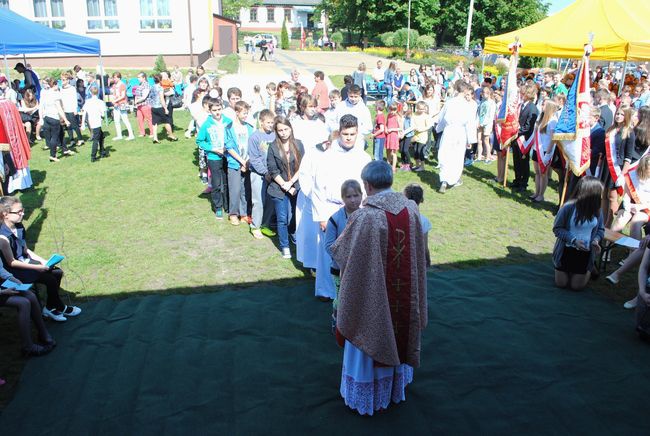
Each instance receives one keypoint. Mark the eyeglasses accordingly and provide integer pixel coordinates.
(18, 212)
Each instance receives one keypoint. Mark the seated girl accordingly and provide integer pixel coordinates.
(635, 204)
(28, 307)
(579, 229)
(27, 266)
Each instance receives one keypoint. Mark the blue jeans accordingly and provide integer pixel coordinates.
(285, 212)
(378, 151)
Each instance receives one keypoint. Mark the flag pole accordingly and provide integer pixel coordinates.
(505, 173)
(564, 185)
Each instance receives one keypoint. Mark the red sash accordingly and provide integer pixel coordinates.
(610, 152)
(398, 278)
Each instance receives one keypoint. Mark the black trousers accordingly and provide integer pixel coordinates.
(218, 182)
(404, 146)
(98, 142)
(51, 279)
(52, 129)
(73, 128)
(521, 164)
(264, 49)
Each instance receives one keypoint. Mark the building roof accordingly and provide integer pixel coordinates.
(290, 3)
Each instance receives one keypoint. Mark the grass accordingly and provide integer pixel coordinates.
(229, 63)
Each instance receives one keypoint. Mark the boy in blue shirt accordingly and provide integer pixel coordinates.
(212, 139)
(237, 155)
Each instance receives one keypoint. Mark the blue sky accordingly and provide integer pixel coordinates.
(557, 5)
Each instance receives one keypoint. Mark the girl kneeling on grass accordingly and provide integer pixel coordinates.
(579, 230)
(27, 266)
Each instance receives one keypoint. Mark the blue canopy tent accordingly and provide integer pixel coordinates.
(19, 35)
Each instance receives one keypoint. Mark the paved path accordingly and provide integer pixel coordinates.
(306, 62)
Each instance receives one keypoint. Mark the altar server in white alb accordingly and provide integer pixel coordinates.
(456, 124)
(342, 161)
(312, 131)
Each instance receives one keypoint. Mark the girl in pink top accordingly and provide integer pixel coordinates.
(392, 135)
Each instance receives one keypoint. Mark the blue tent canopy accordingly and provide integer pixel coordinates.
(19, 35)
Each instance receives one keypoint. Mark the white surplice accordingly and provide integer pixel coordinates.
(456, 122)
(333, 167)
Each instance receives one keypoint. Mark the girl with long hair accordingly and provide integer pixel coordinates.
(546, 128)
(620, 138)
(283, 161)
(579, 229)
(635, 205)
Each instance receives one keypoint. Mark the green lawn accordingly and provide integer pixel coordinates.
(137, 222)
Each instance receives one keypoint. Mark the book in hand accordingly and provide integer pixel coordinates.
(16, 286)
(54, 260)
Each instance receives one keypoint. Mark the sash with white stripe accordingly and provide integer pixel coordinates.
(610, 151)
(545, 150)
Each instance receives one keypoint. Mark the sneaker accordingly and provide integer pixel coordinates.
(207, 190)
(219, 214)
(612, 279)
(257, 234)
(286, 253)
(246, 220)
(631, 304)
(117, 138)
(458, 183)
(443, 188)
(71, 311)
(188, 134)
(36, 350)
(130, 138)
(468, 162)
(204, 180)
(234, 220)
(267, 232)
(54, 314)
(69, 153)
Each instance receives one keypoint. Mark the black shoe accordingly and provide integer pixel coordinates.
(36, 350)
(94, 159)
(104, 154)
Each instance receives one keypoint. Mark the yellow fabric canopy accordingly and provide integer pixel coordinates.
(620, 28)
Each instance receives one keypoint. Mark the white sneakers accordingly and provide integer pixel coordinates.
(286, 253)
(631, 304)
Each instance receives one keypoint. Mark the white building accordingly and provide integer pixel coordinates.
(132, 32)
(269, 15)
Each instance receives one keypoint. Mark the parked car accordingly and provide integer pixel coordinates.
(265, 36)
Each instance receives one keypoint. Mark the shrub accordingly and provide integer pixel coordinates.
(309, 42)
(354, 49)
(387, 39)
(284, 36)
(399, 40)
(337, 38)
(160, 65)
(425, 42)
(493, 69)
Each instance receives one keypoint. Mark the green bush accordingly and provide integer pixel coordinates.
(530, 62)
(229, 63)
(425, 42)
(337, 38)
(284, 36)
(160, 65)
(387, 39)
(399, 40)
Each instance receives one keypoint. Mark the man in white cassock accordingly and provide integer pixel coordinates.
(314, 134)
(342, 161)
(455, 123)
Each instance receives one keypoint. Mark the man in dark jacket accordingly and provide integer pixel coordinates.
(527, 117)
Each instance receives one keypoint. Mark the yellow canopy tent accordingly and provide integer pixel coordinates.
(620, 32)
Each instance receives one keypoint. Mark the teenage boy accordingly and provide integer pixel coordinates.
(258, 145)
(354, 105)
(237, 155)
(331, 118)
(212, 139)
(233, 95)
(93, 112)
(70, 107)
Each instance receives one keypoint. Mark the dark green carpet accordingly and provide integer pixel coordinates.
(505, 353)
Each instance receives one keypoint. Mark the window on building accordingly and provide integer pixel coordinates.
(155, 15)
(287, 15)
(270, 15)
(254, 14)
(102, 15)
(49, 13)
(4, 4)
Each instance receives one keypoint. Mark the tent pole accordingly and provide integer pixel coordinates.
(621, 85)
(101, 75)
(6, 67)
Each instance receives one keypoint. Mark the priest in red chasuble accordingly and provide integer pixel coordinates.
(383, 297)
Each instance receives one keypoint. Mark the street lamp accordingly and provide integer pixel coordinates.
(408, 34)
(469, 23)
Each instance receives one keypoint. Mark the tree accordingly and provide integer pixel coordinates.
(447, 19)
(401, 35)
(425, 42)
(160, 65)
(284, 36)
(231, 8)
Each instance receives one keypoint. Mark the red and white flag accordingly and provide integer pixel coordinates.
(573, 129)
(302, 37)
(508, 114)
